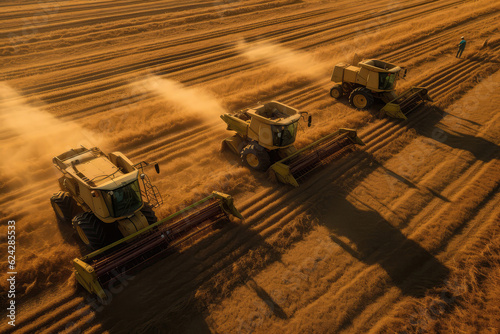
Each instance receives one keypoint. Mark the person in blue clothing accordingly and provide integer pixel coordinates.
(461, 47)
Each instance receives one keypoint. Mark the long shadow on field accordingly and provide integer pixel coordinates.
(169, 296)
(431, 127)
(368, 237)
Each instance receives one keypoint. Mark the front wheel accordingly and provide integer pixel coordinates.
(92, 231)
(255, 157)
(62, 205)
(361, 98)
(336, 92)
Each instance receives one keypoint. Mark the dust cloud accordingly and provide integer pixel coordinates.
(30, 137)
(296, 62)
(190, 100)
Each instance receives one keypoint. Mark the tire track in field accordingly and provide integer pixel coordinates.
(138, 66)
(220, 71)
(167, 44)
(103, 7)
(66, 23)
(423, 47)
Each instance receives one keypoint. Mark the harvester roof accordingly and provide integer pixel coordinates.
(94, 168)
(376, 65)
(275, 113)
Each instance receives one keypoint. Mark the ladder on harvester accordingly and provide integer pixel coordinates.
(149, 191)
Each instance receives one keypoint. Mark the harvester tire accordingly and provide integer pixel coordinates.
(361, 98)
(92, 231)
(336, 92)
(150, 215)
(62, 204)
(255, 157)
(347, 88)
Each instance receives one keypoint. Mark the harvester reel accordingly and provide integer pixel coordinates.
(336, 92)
(91, 230)
(361, 98)
(63, 207)
(255, 157)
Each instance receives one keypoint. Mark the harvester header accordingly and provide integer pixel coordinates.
(103, 267)
(329, 148)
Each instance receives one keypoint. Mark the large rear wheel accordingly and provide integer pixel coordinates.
(92, 231)
(361, 98)
(255, 157)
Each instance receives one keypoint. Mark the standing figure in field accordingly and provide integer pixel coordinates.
(461, 47)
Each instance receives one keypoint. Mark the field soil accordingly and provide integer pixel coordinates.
(401, 236)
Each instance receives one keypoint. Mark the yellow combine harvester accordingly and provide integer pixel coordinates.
(376, 79)
(112, 213)
(265, 137)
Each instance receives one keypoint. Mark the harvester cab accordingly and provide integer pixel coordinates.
(265, 137)
(376, 79)
(110, 203)
(105, 191)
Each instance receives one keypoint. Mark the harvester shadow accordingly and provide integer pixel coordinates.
(410, 184)
(164, 298)
(398, 177)
(368, 237)
(266, 298)
(434, 129)
(372, 110)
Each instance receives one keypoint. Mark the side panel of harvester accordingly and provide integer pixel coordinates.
(241, 128)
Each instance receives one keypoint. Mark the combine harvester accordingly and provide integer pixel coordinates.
(265, 136)
(113, 215)
(373, 79)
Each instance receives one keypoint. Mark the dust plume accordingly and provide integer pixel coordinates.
(191, 100)
(31, 137)
(296, 62)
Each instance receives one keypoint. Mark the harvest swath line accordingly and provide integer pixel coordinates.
(239, 67)
(163, 45)
(157, 61)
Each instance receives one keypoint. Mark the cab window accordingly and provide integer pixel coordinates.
(284, 135)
